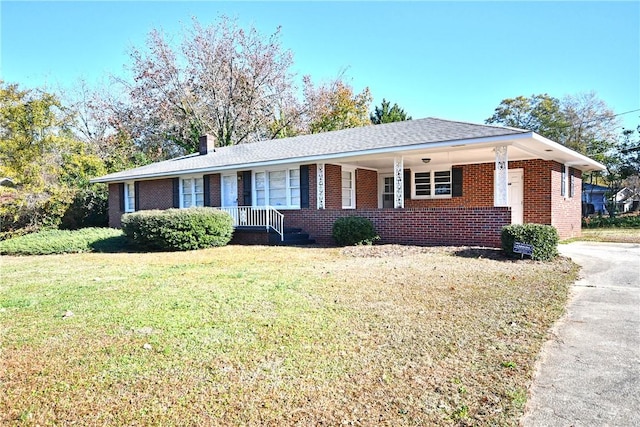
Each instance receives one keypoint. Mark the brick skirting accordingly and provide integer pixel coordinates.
(426, 226)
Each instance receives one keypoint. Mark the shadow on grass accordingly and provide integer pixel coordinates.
(115, 244)
(488, 253)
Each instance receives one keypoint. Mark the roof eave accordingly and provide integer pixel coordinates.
(500, 139)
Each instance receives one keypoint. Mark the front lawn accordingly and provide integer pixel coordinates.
(615, 235)
(382, 335)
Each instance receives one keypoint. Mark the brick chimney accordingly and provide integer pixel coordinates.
(207, 144)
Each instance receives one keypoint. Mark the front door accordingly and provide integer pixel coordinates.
(515, 197)
(229, 190)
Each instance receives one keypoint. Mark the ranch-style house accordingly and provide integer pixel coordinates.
(424, 182)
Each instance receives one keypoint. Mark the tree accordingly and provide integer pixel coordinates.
(221, 80)
(334, 106)
(582, 122)
(541, 114)
(630, 152)
(39, 153)
(386, 114)
(592, 127)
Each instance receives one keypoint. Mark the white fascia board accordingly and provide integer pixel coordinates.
(579, 161)
(492, 140)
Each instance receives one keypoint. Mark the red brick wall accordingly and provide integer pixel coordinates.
(477, 190)
(434, 226)
(429, 218)
(114, 206)
(566, 214)
(155, 194)
(332, 186)
(366, 189)
(215, 190)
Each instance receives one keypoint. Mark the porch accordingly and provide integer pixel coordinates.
(259, 225)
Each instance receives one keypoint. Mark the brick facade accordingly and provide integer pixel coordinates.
(215, 190)
(366, 189)
(468, 219)
(566, 211)
(420, 226)
(115, 213)
(332, 187)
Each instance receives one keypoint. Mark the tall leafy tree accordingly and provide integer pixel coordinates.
(40, 154)
(334, 106)
(388, 114)
(541, 113)
(221, 79)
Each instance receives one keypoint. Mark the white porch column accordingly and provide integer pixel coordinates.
(320, 185)
(501, 178)
(398, 182)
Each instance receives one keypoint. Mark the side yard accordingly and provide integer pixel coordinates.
(383, 335)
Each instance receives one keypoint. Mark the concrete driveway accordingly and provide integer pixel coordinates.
(589, 373)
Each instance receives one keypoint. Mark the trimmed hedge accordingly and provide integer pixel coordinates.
(49, 242)
(178, 229)
(543, 238)
(354, 230)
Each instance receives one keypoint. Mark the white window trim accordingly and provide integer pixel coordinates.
(127, 206)
(381, 178)
(193, 193)
(566, 179)
(432, 182)
(288, 187)
(353, 187)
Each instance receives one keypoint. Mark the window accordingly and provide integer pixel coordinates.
(423, 183)
(129, 197)
(348, 190)
(566, 182)
(191, 192)
(433, 184)
(277, 188)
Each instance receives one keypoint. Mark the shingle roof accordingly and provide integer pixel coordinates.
(356, 140)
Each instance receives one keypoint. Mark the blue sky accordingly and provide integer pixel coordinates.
(454, 60)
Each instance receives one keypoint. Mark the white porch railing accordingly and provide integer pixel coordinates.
(257, 216)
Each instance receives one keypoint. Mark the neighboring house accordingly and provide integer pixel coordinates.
(626, 200)
(595, 199)
(427, 181)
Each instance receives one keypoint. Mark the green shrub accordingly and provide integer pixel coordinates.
(178, 229)
(354, 230)
(627, 221)
(543, 238)
(64, 241)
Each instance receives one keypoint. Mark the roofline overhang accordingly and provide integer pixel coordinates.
(582, 162)
(499, 140)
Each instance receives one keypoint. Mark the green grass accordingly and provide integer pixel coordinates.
(273, 336)
(612, 235)
(64, 241)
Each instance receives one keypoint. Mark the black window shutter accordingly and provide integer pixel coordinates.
(304, 186)
(456, 182)
(407, 184)
(136, 196)
(176, 192)
(121, 195)
(246, 187)
(206, 186)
